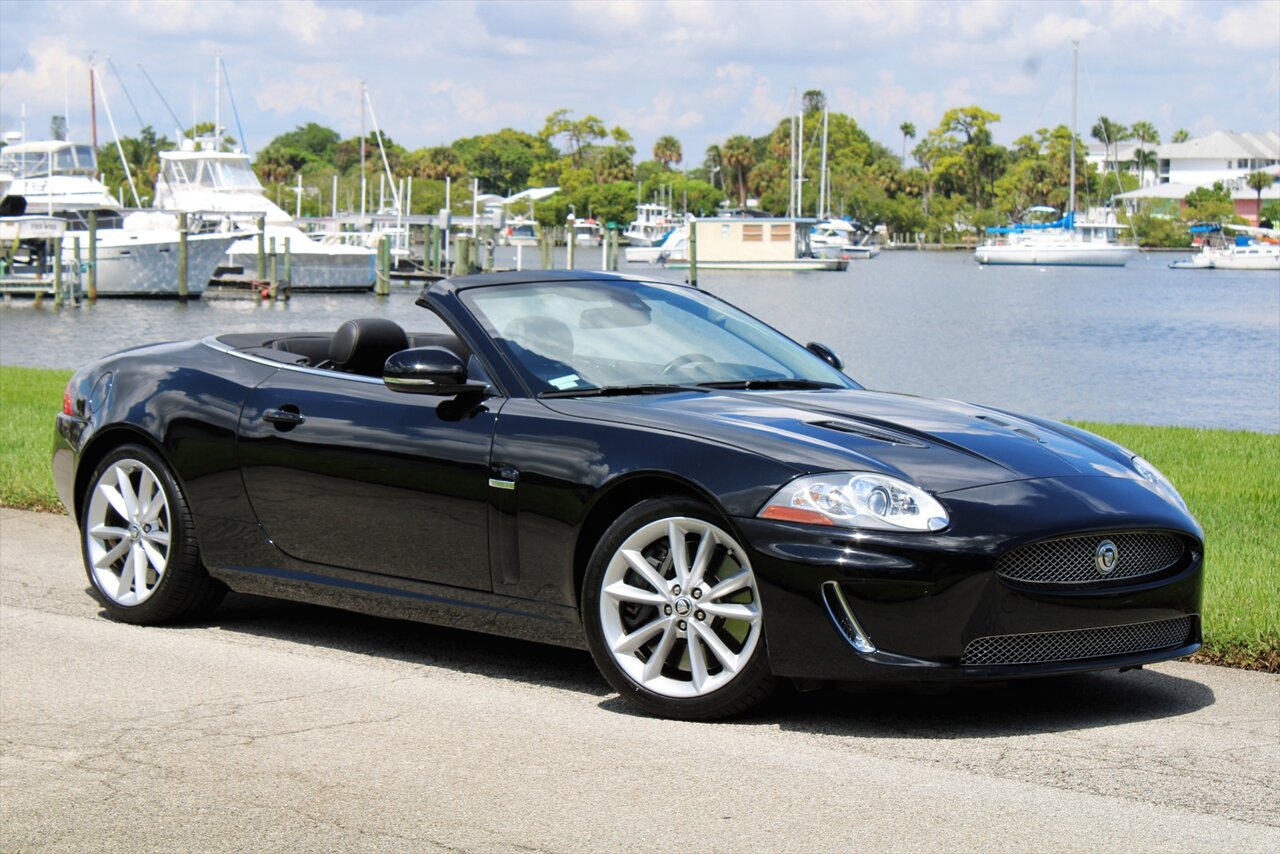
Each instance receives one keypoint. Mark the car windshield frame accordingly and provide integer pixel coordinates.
(567, 336)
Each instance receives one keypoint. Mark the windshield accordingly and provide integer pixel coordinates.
(577, 336)
(213, 174)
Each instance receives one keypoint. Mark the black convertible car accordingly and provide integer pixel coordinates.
(633, 466)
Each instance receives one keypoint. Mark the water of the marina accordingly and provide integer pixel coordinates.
(1140, 344)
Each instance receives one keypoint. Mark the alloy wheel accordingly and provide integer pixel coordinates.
(127, 535)
(679, 607)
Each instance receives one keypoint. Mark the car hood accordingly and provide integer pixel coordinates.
(942, 445)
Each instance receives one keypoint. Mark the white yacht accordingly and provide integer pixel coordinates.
(1060, 243)
(587, 232)
(200, 178)
(519, 232)
(838, 238)
(137, 253)
(673, 247)
(1254, 249)
(652, 223)
(1063, 242)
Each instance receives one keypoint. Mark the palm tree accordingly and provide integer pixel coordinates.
(666, 150)
(1110, 133)
(1259, 181)
(908, 132)
(737, 156)
(1144, 133)
(1180, 136)
(713, 163)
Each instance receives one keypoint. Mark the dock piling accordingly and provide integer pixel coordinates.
(93, 256)
(262, 240)
(183, 258)
(57, 271)
(382, 285)
(288, 267)
(79, 271)
(274, 284)
(693, 252)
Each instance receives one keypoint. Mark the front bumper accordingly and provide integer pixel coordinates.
(928, 601)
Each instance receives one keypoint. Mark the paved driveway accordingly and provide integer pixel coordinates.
(280, 726)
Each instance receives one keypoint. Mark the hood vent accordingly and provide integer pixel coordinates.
(867, 431)
(1000, 422)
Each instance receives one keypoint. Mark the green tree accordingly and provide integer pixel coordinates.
(1110, 134)
(579, 134)
(738, 159)
(908, 132)
(813, 101)
(963, 155)
(1271, 214)
(503, 161)
(1146, 134)
(311, 138)
(435, 164)
(713, 162)
(1259, 181)
(1209, 204)
(1180, 136)
(666, 150)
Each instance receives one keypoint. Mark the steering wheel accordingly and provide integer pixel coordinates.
(687, 359)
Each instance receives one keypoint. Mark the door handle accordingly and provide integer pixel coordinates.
(285, 417)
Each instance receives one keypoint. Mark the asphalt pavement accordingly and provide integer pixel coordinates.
(278, 726)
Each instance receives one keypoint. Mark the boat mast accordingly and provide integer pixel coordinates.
(1075, 67)
(217, 101)
(822, 179)
(363, 176)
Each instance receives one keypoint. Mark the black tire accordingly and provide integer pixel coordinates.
(658, 675)
(182, 589)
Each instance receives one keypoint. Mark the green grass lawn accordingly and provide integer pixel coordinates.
(1231, 480)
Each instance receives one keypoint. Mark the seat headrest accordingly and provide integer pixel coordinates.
(362, 346)
(545, 336)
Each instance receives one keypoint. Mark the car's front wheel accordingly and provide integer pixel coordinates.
(673, 614)
(139, 542)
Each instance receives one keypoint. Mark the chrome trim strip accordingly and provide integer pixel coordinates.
(502, 484)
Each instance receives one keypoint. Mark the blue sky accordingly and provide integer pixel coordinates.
(698, 70)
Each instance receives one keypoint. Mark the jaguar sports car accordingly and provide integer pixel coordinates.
(629, 466)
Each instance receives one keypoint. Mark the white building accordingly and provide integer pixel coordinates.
(1221, 156)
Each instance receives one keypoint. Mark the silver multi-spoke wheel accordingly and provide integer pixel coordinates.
(679, 609)
(127, 532)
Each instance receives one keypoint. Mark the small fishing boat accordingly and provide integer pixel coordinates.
(587, 232)
(519, 232)
(674, 247)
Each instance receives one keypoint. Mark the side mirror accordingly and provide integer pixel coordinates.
(826, 354)
(428, 370)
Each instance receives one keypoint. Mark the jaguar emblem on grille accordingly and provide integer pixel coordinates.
(1106, 557)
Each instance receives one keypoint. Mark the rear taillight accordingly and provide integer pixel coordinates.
(67, 407)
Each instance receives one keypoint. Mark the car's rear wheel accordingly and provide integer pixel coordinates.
(673, 615)
(139, 543)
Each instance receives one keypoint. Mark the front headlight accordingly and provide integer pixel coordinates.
(1162, 484)
(857, 500)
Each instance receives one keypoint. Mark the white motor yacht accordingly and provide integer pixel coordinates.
(652, 223)
(137, 253)
(838, 238)
(673, 247)
(200, 178)
(1254, 249)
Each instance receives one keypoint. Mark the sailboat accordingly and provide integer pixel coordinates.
(1063, 242)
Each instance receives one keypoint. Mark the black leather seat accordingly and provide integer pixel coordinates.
(362, 346)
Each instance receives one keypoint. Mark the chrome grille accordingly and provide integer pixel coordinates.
(1072, 560)
(1077, 644)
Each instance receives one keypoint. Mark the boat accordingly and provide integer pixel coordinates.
(673, 247)
(1064, 242)
(839, 238)
(201, 178)
(519, 232)
(652, 223)
(137, 253)
(1252, 249)
(587, 232)
(755, 243)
